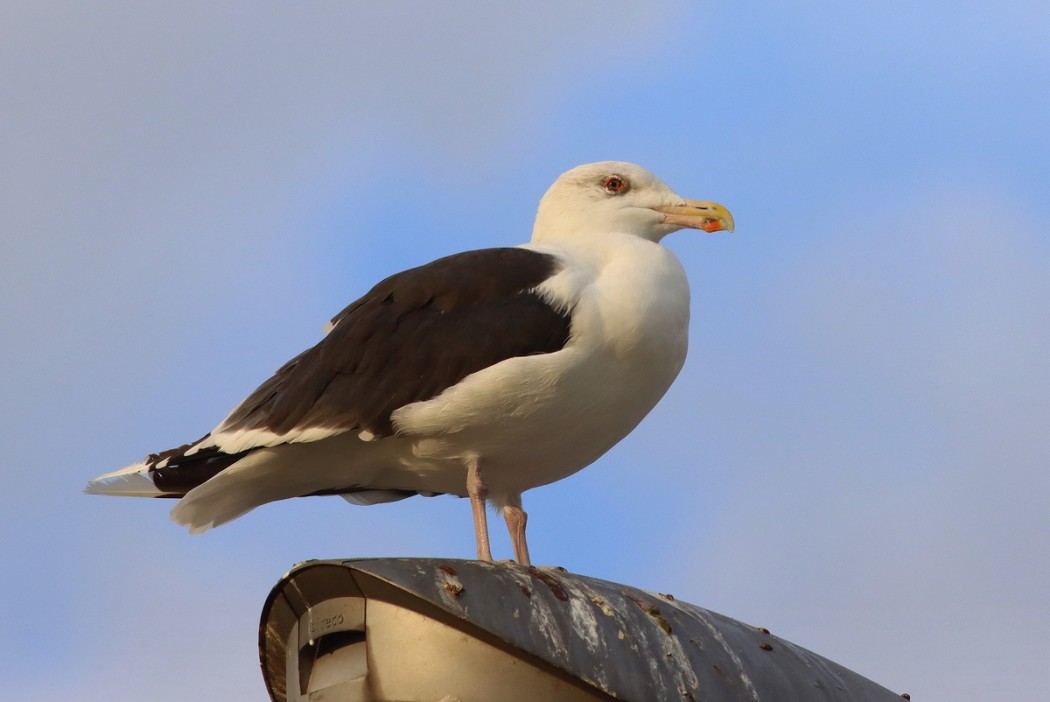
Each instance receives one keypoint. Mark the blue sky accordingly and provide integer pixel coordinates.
(854, 457)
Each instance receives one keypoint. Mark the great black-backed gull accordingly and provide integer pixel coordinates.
(482, 374)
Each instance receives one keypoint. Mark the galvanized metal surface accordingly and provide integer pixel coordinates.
(624, 642)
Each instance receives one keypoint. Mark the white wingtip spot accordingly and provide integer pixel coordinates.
(366, 435)
(133, 483)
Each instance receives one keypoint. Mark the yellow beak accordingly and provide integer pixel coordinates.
(698, 214)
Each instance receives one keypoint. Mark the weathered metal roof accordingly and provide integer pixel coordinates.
(623, 642)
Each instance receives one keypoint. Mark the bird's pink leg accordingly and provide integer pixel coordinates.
(516, 518)
(479, 492)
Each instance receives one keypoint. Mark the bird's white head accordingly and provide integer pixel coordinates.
(613, 196)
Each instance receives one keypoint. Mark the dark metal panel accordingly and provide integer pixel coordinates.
(628, 643)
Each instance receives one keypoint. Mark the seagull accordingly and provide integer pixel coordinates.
(482, 374)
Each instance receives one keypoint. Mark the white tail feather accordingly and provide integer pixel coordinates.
(280, 472)
(254, 480)
(213, 503)
(274, 473)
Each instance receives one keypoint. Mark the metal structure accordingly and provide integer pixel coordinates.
(416, 630)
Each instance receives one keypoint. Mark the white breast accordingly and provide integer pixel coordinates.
(537, 419)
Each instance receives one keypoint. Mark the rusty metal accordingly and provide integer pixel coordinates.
(473, 630)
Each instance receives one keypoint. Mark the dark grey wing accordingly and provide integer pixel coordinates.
(409, 338)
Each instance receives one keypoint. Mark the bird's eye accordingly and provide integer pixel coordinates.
(615, 185)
